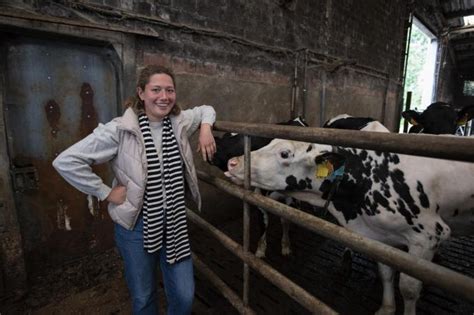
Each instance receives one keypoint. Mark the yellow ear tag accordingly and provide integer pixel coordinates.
(324, 169)
(463, 121)
(413, 122)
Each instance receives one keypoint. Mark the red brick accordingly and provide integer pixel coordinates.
(157, 59)
(181, 65)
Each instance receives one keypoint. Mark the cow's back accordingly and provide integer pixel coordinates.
(391, 197)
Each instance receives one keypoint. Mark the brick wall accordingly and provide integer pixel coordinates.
(242, 41)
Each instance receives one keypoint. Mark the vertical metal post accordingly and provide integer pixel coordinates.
(407, 107)
(405, 62)
(384, 104)
(322, 106)
(468, 128)
(294, 90)
(305, 84)
(246, 217)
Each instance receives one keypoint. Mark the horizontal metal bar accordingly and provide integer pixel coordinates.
(227, 292)
(422, 269)
(286, 285)
(445, 147)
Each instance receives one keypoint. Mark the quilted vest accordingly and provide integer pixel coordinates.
(130, 167)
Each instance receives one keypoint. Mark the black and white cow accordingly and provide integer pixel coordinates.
(232, 145)
(438, 118)
(401, 200)
(345, 121)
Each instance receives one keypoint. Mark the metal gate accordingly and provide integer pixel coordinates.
(56, 92)
(424, 270)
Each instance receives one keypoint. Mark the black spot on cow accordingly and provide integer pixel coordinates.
(394, 158)
(437, 208)
(421, 226)
(352, 123)
(294, 184)
(350, 196)
(310, 147)
(407, 206)
(381, 200)
(386, 190)
(416, 229)
(405, 212)
(456, 212)
(380, 171)
(424, 201)
(439, 229)
(356, 194)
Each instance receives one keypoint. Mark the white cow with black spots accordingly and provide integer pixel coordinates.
(400, 200)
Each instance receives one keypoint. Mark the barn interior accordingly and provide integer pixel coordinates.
(67, 66)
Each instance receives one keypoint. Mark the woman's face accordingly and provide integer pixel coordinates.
(158, 97)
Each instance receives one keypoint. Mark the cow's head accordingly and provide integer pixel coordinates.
(438, 118)
(231, 145)
(287, 165)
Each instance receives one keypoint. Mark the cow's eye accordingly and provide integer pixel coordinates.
(284, 154)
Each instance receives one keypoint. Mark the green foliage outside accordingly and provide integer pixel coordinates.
(419, 44)
(468, 88)
(417, 56)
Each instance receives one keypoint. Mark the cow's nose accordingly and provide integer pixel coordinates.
(232, 163)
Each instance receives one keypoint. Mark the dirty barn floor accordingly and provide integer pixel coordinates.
(95, 285)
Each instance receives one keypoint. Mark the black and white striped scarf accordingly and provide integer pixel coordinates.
(164, 195)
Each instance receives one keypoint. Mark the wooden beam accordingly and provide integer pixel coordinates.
(458, 13)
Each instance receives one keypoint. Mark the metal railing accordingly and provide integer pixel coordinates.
(457, 148)
(438, 146)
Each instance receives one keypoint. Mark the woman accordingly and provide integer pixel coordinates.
(152, 161)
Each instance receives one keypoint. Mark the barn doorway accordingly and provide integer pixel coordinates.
(421, 67)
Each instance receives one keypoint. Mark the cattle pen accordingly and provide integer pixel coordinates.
(426, 271)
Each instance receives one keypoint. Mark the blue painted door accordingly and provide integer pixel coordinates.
(57, 91)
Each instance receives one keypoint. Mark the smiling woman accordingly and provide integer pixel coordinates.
(147, 203)
(158, 97)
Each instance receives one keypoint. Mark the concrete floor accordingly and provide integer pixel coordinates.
(95, 285)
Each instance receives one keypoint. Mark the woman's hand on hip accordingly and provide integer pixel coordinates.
(117, 195)
(207, 144)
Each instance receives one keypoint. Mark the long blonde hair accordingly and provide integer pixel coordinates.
(143, 79)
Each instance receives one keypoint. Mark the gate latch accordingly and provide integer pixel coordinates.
(25, 178)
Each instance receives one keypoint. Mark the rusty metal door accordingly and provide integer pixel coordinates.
(57, 92)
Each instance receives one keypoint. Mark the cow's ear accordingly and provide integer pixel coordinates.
(413, 117)
(337, 160)
(329, 164)
(466, 114)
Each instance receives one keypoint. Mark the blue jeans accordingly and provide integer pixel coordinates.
(140, 273)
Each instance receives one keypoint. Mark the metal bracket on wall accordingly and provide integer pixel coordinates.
(24, 178)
